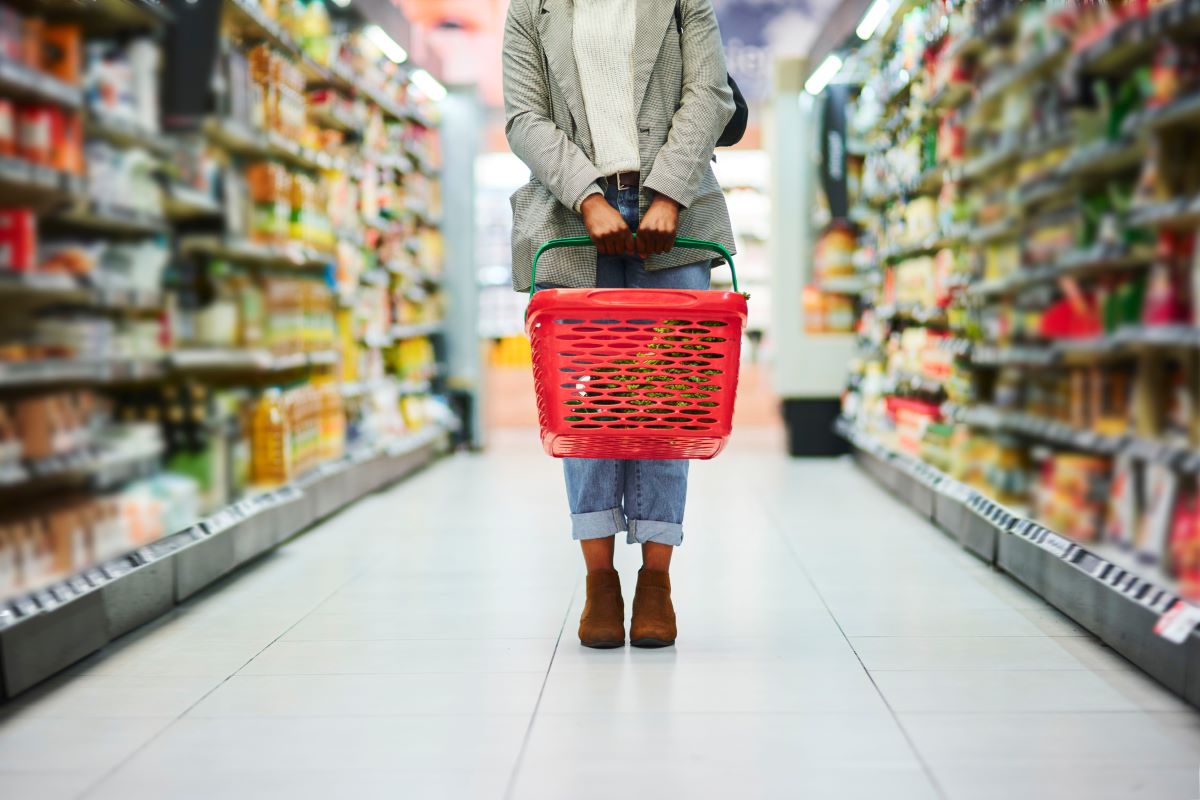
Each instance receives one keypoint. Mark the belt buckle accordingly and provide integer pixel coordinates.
(621, 186)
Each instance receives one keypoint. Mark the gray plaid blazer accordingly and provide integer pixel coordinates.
(685, 103)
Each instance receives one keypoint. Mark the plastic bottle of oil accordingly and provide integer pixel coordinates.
(271, 441)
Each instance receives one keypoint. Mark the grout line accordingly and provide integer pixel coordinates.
(512, 778)
(925, 766)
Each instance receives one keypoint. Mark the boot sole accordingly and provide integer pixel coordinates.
(603, 645)
(651, 644)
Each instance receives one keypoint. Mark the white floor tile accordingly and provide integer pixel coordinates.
(701, 779)
(372, 695)
(1097, 739)
(47, 744)
(991, 691)
(55, 784)
(963, 653)
(196, 746)
(418, 783)
(395, 656)
(1067, 779)
(935, 620)
(687, 688)
(123, 695)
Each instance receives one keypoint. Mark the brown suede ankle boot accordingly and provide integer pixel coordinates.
(653, 622)
(603, 622)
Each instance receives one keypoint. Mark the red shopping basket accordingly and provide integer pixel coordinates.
(635, 373)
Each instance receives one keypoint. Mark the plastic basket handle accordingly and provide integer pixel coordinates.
(585, 241)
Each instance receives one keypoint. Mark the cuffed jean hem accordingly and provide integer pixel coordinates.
(597, 524)
(649, 530)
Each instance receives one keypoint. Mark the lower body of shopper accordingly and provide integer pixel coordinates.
(645, 498)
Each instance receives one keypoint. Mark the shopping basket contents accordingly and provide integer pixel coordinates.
(635, 373)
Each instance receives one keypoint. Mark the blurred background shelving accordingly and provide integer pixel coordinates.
(221, 267)
(1026, 182)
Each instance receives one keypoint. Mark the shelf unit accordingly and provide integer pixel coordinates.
(365, 200)
(1024, 225)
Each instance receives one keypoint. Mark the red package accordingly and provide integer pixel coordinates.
(18, 240)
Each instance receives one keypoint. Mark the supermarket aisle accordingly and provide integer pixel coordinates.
(421, 645)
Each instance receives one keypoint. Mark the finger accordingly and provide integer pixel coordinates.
(659, 243)
(629, 243)
(642, 243)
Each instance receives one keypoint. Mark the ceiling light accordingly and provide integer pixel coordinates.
(386, 44)
(823, 74)
(872, 18)
(428, 85)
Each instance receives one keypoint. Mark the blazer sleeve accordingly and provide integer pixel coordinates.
(551, 156)
(705, 107)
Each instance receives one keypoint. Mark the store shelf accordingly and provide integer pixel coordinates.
(1015, 77)
(47, 287)
(952, 95)
(93, 217)
(102, 17)
(183, 202)
(1134, 41)
(242, 251)
(327, 119)
(63, 289)
(1105, 158)
(417, 330)
(1102, 594)
(996, 159)
(124, 133)
(994, 231)
(96, 469)
(1078, 263)
(240, 139)
(20, 82)
(912, 313)
(47, 630)
(853, 284)
(1181, 213)
(36, 185)
(69, 371)
(222, 359)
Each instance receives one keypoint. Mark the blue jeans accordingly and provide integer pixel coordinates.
(645, 498)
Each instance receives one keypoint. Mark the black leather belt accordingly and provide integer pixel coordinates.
(625, 180)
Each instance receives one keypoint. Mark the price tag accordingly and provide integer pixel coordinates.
(1055, 544)
(25, 606)
(1178, 623)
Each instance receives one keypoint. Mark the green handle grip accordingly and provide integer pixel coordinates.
(584, 241)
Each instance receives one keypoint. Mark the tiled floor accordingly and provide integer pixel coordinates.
(421, 645)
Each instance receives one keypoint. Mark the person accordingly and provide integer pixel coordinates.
(616, 107)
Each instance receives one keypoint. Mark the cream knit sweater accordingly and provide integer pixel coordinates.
(604, 31)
